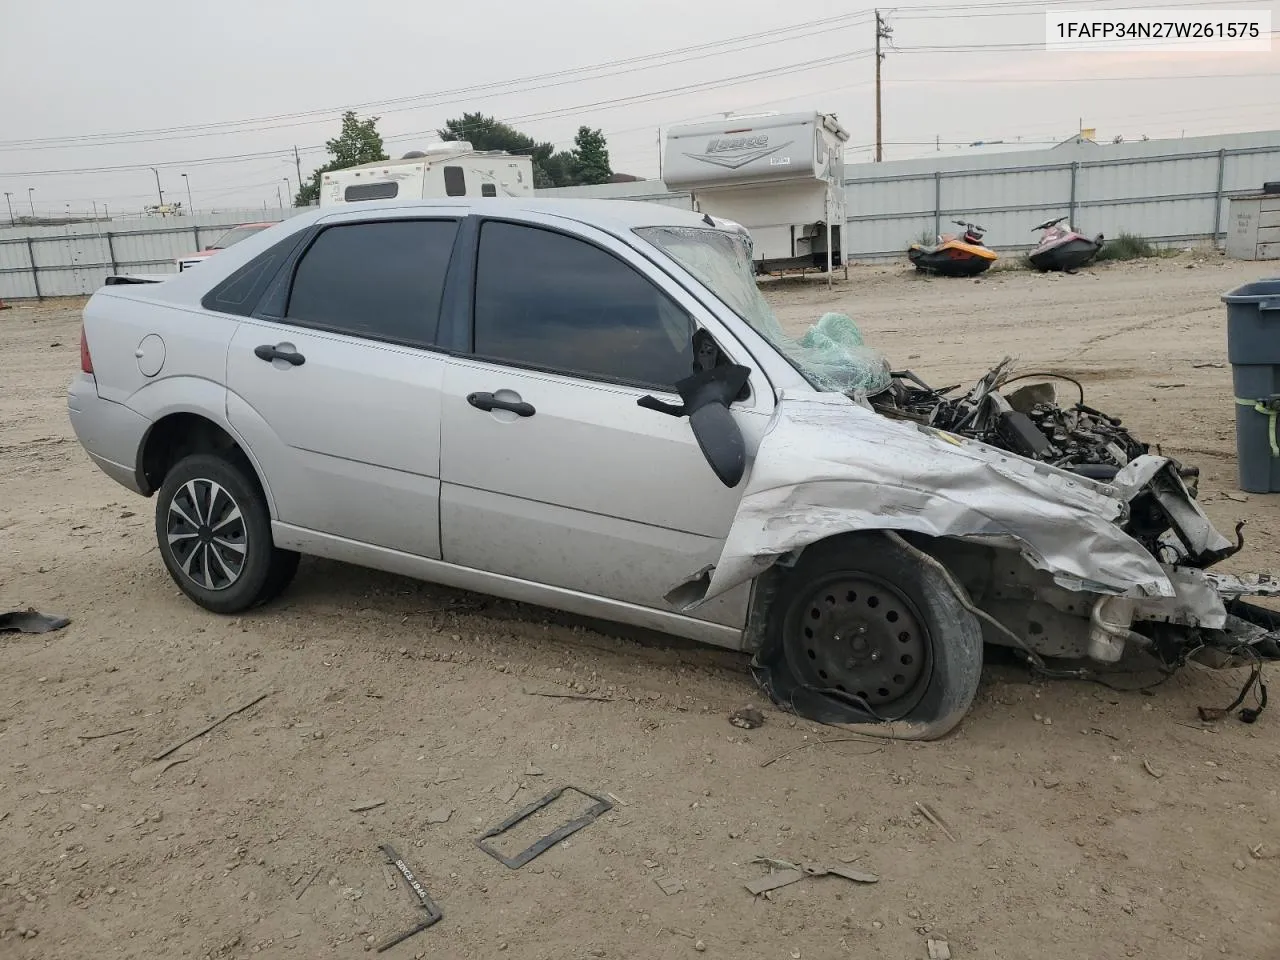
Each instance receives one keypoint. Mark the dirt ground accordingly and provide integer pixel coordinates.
(1079, 821)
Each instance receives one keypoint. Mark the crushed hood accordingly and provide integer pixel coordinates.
(827, 466)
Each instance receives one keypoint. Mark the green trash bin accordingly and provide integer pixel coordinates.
(1253, 347)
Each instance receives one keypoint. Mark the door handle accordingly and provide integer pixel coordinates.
(487, 401)
(268, 353)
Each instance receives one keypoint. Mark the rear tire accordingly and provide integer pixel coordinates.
(865, 633)
(214, 534)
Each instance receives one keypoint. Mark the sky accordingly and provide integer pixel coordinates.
(95, 95)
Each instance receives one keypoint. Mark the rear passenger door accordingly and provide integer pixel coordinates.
(334, 385)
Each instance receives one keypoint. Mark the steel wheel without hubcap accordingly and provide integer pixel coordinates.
(207, 535)
(858, 635)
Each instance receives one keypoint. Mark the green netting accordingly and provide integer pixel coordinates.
(833, 353)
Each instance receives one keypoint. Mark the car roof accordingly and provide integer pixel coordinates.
(618, 217)
(613, 215)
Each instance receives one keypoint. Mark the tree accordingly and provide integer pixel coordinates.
(591, 157)
(359, 142)
(488, 133)
(588, 162)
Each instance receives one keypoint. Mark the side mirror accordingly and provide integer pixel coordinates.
(706, 397)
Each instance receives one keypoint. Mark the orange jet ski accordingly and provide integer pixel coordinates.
(951, 256)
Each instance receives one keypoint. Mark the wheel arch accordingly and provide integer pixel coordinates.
(973, 565)
(184, 431)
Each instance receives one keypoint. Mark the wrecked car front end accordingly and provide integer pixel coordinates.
(1057, 564)
(1058, 532)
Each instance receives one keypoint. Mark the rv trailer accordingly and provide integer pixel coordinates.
(779, 175)
(449, 169)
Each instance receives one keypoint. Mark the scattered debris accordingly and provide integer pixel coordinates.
(1208, 363)
(566, 695)
(857, 876)
(1168, 386)
(699, 946)
(308, 884)
(669, 885)
(1050, 782)
(1146, 765)
(748, 718)
(775, 879)
(939, 950)
(432, 913)
(541, 846)
(99, 736)
(367, 805)
(440, 815)
(152, 770)
(223, 719)
(776, 863)
(933, 818)
(814, 743)
(31, 621)
(532, 770)
(506, 792)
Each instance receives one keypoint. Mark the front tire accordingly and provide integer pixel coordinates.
(862, 632)
(214, 534)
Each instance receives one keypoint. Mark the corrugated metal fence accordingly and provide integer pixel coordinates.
(1171, 191)
(73, 259)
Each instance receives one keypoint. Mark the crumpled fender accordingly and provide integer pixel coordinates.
(828, 466)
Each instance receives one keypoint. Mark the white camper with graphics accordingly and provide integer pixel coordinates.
(779, 175)
(449, 169)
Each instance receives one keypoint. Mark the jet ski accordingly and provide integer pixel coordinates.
(951, 256)
(1062, 248)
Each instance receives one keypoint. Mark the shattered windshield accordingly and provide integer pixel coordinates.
(830, 355)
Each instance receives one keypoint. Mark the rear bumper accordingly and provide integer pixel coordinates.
(109, 432)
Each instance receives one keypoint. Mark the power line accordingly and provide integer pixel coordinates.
(398, 104)
(542, 115)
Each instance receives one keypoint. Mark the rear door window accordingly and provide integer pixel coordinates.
(551, 301)
(377, 280)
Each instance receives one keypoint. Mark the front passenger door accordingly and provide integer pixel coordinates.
(550, 471)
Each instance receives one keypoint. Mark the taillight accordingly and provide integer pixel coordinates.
(86, 361)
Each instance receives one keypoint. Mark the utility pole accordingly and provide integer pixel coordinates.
(95, 211)
(9, 202)
(883, 32)
(659, 153)
(31, 190)
(288, 187)
(158, 190)
(191, 208)
(279, 198)
(297, 160)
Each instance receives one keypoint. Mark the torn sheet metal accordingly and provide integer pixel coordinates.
(1249, 585)
(828, 466)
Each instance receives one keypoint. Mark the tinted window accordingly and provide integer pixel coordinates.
(488, 190)
(455, 182)
(547, 300)
(371, 191)
(240, 292)
(379, 280)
